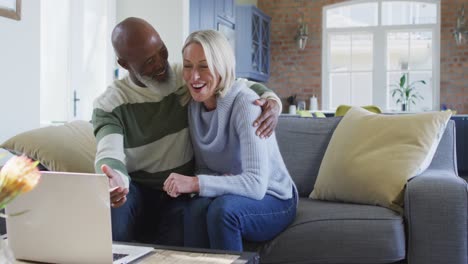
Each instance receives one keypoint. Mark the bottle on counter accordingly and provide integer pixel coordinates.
(313, 103)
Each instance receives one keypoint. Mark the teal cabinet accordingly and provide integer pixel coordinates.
(252, 43)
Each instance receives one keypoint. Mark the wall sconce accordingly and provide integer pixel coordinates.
(461, 31)
(302, 34)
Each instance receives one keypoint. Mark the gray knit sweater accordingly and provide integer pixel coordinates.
(230, 158)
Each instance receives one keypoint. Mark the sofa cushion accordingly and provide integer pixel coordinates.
(330, 232)
(70, 147)
(370, 157)
(341, 110)
(302, 143)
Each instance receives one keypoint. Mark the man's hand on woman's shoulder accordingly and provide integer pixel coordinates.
(268, 120)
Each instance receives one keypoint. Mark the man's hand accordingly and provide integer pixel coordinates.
(118, 192)
(177, 184)
(268, 119)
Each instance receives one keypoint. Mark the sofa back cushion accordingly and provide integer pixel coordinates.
(445, 157)
(70, 147)
(303, 142)
(370, 156)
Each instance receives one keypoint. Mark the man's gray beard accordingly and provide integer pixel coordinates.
(164, 88)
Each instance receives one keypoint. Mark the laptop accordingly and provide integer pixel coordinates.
(67, 220)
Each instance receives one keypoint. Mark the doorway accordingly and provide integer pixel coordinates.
(77, 60)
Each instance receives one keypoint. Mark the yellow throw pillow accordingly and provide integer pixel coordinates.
(70, 147)
(304, 113)
(370, 157)
(342, 109)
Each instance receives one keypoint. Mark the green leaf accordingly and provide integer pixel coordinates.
(418, 81)
(402, 80)
(14, 214)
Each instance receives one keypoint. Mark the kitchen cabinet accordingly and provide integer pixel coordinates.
(225, 9)
(247, 29)
(208, 14)
(252, 43)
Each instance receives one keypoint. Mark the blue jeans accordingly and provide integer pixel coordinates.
(222, 222)
(149, 216)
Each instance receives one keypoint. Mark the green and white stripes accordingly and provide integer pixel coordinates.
(142, 134)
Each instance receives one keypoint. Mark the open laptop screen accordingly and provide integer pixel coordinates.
(67, 220)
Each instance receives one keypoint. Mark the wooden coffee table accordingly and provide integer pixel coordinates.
(182, 255)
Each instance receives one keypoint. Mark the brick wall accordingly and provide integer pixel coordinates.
(453, 60)
(295, 71)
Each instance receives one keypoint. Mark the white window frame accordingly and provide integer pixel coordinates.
(379, 32)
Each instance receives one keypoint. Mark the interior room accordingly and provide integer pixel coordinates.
(55, 27)
(300, 57)
(320, 57)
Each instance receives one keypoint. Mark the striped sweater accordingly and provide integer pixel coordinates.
(144, 135)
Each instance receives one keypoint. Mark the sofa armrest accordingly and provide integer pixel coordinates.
(436, 218)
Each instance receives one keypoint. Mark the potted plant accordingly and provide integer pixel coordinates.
(405, 92)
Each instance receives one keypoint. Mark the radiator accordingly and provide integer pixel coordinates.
(461, 126)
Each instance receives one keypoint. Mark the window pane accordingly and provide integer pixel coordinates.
(361, 92)
(340, 89)
(393, 78)
(408, 13)
(356, 15)
(420, 51)
(362, 52)
(409, 47)
(340, 52)
(425, 90)
(397, 50)
(426, 13)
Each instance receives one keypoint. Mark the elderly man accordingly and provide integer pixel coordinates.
(140, 124)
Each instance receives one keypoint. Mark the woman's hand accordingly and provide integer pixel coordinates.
(177, 184)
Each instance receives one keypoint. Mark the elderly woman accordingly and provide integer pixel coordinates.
(243, 188)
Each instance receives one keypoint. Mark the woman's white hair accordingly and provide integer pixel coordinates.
(219, 56)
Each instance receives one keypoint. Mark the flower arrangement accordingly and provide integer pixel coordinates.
(19, 175)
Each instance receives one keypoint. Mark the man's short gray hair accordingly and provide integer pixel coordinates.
(219, 56)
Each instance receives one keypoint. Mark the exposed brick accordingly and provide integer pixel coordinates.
(291, 68)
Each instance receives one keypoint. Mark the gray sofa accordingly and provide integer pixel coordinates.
(433, 228)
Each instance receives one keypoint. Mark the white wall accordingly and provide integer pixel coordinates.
(55, 41)
(20, 71)
(169, 18)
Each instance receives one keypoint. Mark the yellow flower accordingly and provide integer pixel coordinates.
(19, 175)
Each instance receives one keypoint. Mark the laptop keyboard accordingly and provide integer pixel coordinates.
(117, 256)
